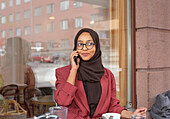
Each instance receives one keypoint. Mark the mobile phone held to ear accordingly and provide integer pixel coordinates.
(75, 59)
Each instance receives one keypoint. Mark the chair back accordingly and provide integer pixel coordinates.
(10, 91)
(31, 91)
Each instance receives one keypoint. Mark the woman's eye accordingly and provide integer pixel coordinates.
(89, 43)
(79, 44)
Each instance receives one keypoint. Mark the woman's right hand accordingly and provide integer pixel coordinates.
(72, 62)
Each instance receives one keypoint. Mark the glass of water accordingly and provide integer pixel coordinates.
(138, 116)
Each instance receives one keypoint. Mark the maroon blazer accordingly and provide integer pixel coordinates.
(74, 96)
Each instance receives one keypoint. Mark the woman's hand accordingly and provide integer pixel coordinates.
(72, 62)
(127, 114)
(140, 111)
(72, 76)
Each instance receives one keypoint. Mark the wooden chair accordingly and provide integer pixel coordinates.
(29, 93)
(10, 91)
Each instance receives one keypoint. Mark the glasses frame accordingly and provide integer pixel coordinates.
(85, 46)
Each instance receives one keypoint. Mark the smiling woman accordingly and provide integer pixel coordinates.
(87, 88)
(85, 46)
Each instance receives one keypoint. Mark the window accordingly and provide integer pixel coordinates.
(50, 8)
(18, 16)
(3, 5)
(18, 32)
(10, 33)
(18, 2)
(3, 32)
(38, 28)
(78, 22)
(64, 43)
(64, 5)
(64, 25)
(3, 20)
(78, 4)
(38, 44)
(50, 44)
(38, 11)
(25, 1)
(27, 30)
(26, 14)
(10, 3)
(50, 27)
(10, 18)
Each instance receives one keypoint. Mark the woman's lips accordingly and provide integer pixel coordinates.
(85, 54)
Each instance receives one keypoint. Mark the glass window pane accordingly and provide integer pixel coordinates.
(46, 31)
(3, 32)
(18, 16)
(38, 28)
(10, 32)
(50, 27)
(27, 30)
(78, 4)
(38, 11)
(18, 32)
(10, 18)
(18, 2)
(50, 8)
(3, 20)
(26, 14)
(3, 5)
(64, 25)
(64, 5)
(25, 1)
(78, 22)
(10, 3)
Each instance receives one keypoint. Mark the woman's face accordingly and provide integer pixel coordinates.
(87, 50)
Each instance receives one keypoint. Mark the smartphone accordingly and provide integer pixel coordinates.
(75, 59)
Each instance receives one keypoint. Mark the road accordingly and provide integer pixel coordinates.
(44, 73)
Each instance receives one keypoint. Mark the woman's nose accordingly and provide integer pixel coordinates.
(84, 47)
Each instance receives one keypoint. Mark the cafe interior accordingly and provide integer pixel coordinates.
(35, 43)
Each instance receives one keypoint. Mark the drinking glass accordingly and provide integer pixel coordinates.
(60, 111)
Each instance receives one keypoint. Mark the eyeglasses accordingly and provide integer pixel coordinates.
(89, 45)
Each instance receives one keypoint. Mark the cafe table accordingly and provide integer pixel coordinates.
(47, 101)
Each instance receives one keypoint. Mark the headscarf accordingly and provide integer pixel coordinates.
(91, 71)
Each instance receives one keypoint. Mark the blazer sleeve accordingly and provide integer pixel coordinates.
(65, 92)
(114, 103)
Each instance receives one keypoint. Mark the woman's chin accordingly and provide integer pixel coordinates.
(85, 58)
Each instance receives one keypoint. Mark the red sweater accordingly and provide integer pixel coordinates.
(74, 96)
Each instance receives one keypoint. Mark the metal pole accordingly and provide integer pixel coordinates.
(129, 62)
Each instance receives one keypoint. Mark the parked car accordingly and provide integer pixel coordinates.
(58, 57)
(35, 57)
(40, 57)
(46, 58)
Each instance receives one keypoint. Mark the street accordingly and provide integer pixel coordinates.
(44, 73)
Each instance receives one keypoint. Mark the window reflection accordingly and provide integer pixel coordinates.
(48, 28)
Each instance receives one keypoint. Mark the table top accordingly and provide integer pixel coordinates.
(44, 100)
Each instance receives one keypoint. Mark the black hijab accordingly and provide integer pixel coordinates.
(91, 71)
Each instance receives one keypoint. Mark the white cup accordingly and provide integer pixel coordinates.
(111, 116)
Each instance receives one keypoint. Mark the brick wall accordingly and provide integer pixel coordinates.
(152, 50)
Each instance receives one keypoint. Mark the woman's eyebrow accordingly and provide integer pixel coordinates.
(82, 41)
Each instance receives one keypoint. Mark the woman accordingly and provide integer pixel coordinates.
(87, 88)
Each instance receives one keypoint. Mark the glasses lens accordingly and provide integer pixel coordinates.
(89, 45)
(79, 46)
